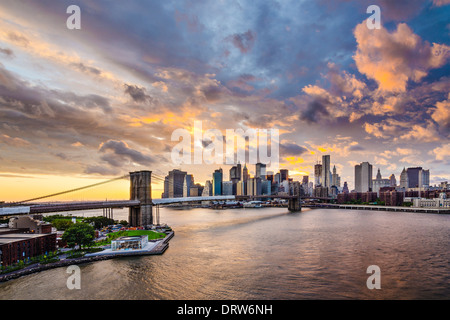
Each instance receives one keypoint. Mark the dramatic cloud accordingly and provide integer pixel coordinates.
(244, 41)
(442, 114)
(442, 153)
(138, 94)
(393, 59)
(311, 69)
(13, 142)
(120, 151)
(291, 149)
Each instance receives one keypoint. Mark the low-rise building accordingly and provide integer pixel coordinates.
(30, 224)
(441, 202)
(129, 243)
(15, 247)
(24, 238)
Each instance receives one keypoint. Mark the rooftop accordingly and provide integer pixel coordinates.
(13, 237)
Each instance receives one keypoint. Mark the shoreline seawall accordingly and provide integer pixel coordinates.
(157, 250)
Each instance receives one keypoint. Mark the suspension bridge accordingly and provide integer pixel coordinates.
(140, 202)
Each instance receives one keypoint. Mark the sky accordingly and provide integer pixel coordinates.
(79, 106)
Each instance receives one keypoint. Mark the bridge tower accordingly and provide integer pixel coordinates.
(295, 204)
(141, 189)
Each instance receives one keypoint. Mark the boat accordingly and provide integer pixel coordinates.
(253, 204)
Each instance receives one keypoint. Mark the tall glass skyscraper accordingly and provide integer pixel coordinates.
(217, 182)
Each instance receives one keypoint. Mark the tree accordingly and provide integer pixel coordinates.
(62, 224)
(99, 222)
(123, 222)
(79, 234)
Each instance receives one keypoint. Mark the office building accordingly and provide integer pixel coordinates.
(317, 175)
(260, 171)
(392, 181)
(188, 183)
(266, 187)
(305, 180)
(345, 188)
(379, 183)
(245, 175)
(284, 175)
(217, 182)
(424, 179)
(227, 188)
(207, 189)
(363, 177)
(335, 178)
(174, 183)
(241, 188)
(326, 173)
(413, 177)
(404, 179)
(277, 178)
(417, 177)
(235, 173)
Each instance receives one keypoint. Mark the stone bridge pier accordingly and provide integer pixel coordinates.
(295, 204)
(141, 189)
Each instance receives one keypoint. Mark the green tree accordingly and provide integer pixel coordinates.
(99, 222)
(123, 222)
(79, 234)
(62, 224)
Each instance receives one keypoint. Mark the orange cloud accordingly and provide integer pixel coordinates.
(442, 113)
(392, 59)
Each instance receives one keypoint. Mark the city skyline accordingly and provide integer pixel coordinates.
(80, 106)
(365, 181)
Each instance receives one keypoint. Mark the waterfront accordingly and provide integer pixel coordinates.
(268, 253)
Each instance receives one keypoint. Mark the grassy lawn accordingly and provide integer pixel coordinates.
(114, 235)
(151, 234)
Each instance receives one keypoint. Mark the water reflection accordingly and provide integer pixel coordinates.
(270, 254)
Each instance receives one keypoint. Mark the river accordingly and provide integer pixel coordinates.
(268, 254)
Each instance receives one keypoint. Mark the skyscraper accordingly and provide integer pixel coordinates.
(345, 188)
(260, 171)
(227, 188)
(284, 175)
(335, 178)
(245, 175)
(363, 177)
(187, 184)
(207, 190)
(269, 176)
(326, 173)
(217, 182)
(305, 180)
(392, 180)
(174, 182)
(404, 179)
(413, 177)
(424, 178)
(166, 188)
(235, 173)
(379, 183)
(317, 175)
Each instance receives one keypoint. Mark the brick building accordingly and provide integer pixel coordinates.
(22, 246)
(392, 198)
(26, 237)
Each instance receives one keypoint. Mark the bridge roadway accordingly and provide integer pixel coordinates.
(36, 208)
